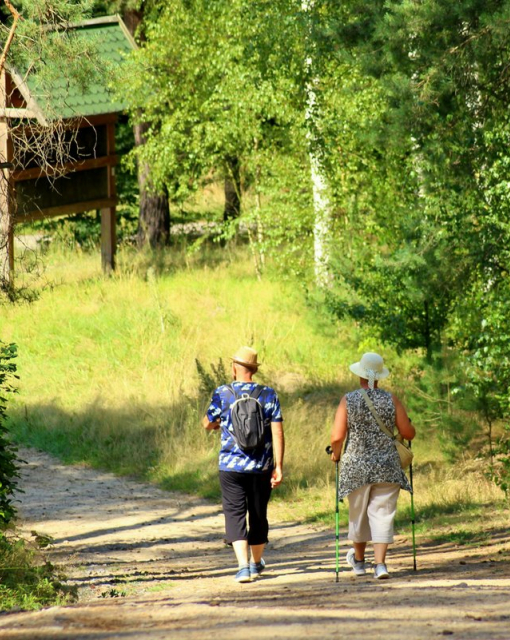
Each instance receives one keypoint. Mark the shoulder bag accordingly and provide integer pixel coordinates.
(405, 454)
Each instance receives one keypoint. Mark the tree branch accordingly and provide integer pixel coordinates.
(8, 43)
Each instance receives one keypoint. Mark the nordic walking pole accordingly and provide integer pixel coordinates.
(412, 510)
(329, 451)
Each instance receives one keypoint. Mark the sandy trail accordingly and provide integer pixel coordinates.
(152, 565)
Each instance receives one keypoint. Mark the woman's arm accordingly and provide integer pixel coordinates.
(404, 426)
(339, 431)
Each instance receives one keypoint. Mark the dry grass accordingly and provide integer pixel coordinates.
(108, 375)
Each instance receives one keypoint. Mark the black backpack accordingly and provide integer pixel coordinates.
(248, 420)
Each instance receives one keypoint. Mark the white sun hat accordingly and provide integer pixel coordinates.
(370, 367)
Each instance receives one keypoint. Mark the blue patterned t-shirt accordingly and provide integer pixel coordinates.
(232, 458)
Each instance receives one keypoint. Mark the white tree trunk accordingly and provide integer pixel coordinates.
(321, 200)
(322, 211)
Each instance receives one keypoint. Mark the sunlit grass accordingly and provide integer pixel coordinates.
(108, 365)
(108, 376)
(27, 581)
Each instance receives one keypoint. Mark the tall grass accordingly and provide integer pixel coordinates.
(109, 377)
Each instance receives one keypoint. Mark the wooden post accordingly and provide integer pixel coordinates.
(108, 239)
(6, 218)
(109, 215)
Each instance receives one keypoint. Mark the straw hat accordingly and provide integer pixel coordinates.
(370, 367)
(247, 357)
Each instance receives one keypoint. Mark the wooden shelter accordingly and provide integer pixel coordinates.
(83, 178)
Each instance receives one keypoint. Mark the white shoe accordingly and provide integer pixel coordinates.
(380, 571)
(358, 566)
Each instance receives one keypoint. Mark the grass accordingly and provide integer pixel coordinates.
(27, 581)
(109, 376)
(108, 366)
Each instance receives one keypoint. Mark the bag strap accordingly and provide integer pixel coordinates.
(230, 387)
(255, 393)
(381, 424)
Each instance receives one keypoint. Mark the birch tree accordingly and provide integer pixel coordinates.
(321, 198)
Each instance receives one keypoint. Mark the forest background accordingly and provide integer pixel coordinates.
(347, 167)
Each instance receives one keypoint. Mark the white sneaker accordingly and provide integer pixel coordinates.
(358, 566)
(380, 571)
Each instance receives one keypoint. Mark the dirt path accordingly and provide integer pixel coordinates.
(152, 565)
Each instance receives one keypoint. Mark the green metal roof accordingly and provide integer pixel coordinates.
(68, 99)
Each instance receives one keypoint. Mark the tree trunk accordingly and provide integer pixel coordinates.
(154, 217)
(133, 19)
(232, 190)
(154, 221)
(321, 200)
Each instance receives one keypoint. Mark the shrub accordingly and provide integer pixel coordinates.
(27, 581)
(8, 451)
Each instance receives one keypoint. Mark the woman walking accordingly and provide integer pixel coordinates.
(371, 476)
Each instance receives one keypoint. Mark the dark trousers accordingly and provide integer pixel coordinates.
(242, 493)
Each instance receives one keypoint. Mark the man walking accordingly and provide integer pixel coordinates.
(247, 476)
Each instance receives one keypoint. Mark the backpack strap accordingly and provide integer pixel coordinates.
(230, 387)
(255, 393)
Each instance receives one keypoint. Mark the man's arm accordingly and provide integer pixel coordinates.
(210, 425)
(278, 453)
(214, 412)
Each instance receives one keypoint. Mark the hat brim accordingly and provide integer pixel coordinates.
(361, 372)
(250, 365)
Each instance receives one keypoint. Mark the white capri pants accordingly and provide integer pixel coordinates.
(372, 510)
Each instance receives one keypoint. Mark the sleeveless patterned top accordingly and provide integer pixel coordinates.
(370, 455)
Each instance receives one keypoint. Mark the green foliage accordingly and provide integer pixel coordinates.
(83, 230)
(8, 451)
(55, 12)
(219, 97)
(283, 220)
(406, 294)
(208, 382)
(113, 593)
(27, 581)
(133, 388)
(212, 96)
(425, 264)
(499, 469)
(461, 537)
(126, 181)
(412, 132)
(43, 40)
(130, 399)
(482, 329)
(446, 95)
